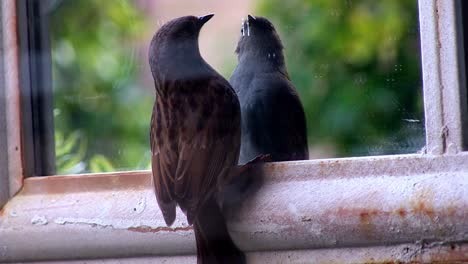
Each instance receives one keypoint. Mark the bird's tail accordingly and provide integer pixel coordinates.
(214, 245)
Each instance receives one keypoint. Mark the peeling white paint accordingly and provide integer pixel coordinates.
(110, 223)
(39, 220)
(260, 228)
(99, 222)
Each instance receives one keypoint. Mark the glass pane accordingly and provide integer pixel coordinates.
(355, 64)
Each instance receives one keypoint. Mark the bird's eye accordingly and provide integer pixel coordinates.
(242, 30)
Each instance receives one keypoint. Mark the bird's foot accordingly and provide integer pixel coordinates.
(243, 180)
(259, 159)
(240, 170)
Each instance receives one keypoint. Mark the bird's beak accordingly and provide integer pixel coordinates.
(204, 19)
(251, 18)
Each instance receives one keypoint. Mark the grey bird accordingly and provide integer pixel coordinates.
(195, 136)
(273, 119)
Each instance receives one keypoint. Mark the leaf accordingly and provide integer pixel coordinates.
(100, 163)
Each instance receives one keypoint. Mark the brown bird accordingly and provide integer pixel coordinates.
(195, 136)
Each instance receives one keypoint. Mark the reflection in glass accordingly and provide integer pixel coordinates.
(356, 65)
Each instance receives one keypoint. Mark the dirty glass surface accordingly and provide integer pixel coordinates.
(355, 64)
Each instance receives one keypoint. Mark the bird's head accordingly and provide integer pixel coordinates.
(178, 36)
(259, 37)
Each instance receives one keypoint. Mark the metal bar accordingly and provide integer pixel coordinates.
(452, 71)
(406, 253)
(431, 71)
(13, 176)
(336, 203)
(443, 75)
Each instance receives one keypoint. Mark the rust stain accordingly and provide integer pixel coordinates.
(422, 203)
(451, 210)
(362, 212)
(453, 254)
(365, 221)
(421, 207)
(365, 218)
(402, 212)
(147, 229)
(367, 214)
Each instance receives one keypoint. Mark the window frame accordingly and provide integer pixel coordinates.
(36, 88)
(355, 210)
(11, 176)
(443, 67)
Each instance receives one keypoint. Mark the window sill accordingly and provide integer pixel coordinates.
(336, 203)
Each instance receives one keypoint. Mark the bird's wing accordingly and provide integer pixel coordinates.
(210, 145)
(208, 140)
(276, 120)
(163, 166)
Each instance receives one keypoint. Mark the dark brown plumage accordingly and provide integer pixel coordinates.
(195, 136)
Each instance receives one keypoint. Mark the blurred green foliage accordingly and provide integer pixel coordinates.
(101, 113)
(356, 64)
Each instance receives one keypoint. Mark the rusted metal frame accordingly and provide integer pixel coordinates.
(443, 71)
(12, 175)
(336, 204)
